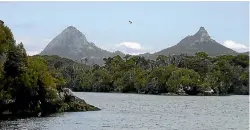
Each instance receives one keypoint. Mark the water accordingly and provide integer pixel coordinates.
(147, 112)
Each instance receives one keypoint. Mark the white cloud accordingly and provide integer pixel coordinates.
(132, 48)
(132, 45)
(236, 46)
(31, 53)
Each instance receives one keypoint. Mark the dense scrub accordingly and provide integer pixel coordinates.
(192, 75)
(27, 86)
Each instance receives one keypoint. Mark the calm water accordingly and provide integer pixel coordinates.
(147, 112)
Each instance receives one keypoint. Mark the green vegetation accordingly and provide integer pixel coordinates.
(154, 73)
(38, 84)
(28, 86)
(193, 75)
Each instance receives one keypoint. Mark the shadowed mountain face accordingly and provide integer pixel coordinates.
(72, 44)
(200, 41)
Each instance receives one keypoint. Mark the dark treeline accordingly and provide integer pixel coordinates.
(191, 75)
(27, 86)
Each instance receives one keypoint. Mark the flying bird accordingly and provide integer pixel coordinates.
(130, 22)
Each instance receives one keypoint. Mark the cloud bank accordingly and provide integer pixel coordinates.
(236, 46)
(132, 45)
(132, 48)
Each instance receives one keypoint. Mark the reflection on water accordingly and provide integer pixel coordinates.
(146, 112)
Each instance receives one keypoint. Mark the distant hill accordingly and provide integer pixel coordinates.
(72, 44)
(200, 41)
(245, 53)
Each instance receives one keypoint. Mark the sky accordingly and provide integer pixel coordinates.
(156, 25)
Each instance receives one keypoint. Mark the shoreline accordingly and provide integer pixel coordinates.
(165, 94)
(24, 115)
(11, 117)
(76, 104)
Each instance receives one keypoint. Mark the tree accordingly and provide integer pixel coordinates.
(242, 60)
(202, 55)
(161, 60)
(186, 79)
(16, 62)
(125, 83)
(126, 57)
(160, 76)
(6, 39)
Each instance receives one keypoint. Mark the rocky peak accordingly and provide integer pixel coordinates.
(202, 34)
(71, 30)
(202, 30)
(199, 37)
(73, 44)
(71, 27)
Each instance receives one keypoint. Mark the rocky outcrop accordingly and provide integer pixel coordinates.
(65, 101)
(73, 103)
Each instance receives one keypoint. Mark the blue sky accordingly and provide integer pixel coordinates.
(156, 25)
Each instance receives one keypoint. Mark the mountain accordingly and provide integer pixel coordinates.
(200, 41)
(72, 44)
(245, 53)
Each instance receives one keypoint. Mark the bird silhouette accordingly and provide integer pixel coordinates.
(130, 22)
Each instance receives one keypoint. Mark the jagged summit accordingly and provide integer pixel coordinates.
(202, 34)
(71, 28)
(200, 41)
(202, 30)
(72, 31)
(73, 44)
